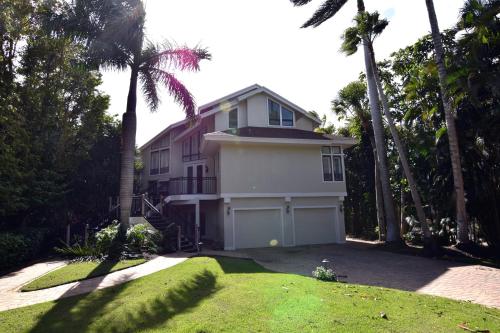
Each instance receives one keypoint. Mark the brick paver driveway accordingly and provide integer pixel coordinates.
(363, 264)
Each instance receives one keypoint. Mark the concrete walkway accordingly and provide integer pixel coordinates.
(10, 284)
(362, 263)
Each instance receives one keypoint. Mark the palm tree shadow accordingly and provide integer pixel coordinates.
(152, 313)
(78, 311)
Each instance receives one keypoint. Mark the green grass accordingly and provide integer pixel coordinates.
(79, 271)
(234, 295)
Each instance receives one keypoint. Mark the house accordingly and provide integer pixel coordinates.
(249, 172)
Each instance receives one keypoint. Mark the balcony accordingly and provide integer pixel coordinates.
(192, 185)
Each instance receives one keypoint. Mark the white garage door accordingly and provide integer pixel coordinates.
(257, 228)
(315, 225)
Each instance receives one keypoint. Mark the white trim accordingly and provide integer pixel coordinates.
(283, 195)
(226, 137)
(182, 197)
(259, 208)
(336, 220)
(227, 97)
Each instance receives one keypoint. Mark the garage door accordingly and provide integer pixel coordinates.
(314, 225)
(257, 228)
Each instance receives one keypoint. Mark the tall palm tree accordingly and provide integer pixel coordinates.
(326, 11)
(119, 42)
(353, 102)
(371, 26)
(456, 166)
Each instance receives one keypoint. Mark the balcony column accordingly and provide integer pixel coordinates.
(197, 224)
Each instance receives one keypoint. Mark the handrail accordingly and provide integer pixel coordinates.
(150, 205)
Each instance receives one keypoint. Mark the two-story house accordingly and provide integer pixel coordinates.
(250, 172)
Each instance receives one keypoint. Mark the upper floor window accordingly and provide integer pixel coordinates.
(191, 146)
(331, 157)
(159, 162)
(279, 115)
(233, 118)
(160, 156)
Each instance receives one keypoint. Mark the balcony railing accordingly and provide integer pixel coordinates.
(192, 185)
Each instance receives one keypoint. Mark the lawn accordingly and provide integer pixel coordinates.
(79, 271)
(235, 295)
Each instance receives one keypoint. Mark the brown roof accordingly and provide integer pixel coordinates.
(274, 132)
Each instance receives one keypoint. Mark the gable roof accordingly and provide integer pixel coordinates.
(231, 100)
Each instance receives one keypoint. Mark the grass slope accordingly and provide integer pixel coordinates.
(234, 295)
(79, 271)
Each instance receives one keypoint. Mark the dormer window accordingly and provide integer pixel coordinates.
(279, 115)
(233, 118)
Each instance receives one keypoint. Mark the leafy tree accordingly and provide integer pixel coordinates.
(370, 25)
(118, 41)
(326, 11)
(456, 166)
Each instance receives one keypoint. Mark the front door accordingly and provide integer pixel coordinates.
(194, 178)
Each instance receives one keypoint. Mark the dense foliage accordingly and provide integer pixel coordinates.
(411, 83)
(59, 150)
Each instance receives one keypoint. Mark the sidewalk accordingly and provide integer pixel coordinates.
(11, 297)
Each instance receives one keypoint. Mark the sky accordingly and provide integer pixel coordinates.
(260, 41)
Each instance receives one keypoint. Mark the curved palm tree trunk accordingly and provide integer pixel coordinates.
(401, 150)
(129, 126)
(458, 182)
(392, 224)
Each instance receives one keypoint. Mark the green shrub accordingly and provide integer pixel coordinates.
(19, 247)
(324, 274)
(77, 250)
(142, 239)
(104, 238)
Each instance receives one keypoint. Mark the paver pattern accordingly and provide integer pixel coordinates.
(10, 284)
(362, 263)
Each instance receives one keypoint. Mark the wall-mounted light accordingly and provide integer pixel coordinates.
(288, 209)
(341, 208)
(206, 168)
(228, 210)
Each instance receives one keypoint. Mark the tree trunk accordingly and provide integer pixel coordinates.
(129, 125)
(401, 150)
(458, 182)
(392, 224)
(382, 230)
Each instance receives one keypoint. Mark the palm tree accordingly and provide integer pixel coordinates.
(370, 25)
(352, 100)
(458, 182)
(326, 11)
(120, 43)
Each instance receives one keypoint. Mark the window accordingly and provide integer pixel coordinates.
(160, 161)
(331, 158)
(274, 113)
(233, 118)
(191, 146)
(279, 115)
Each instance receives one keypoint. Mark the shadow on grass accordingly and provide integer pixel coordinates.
(76, 314)
(239, 266)
(78, 311)
(158, 311)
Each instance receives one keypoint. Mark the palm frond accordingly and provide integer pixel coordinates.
(327, 10)
(177, 90)
(182, 58)
(300, 2)
(350, 41)
(149, 89)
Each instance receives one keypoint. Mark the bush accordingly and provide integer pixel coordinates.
(142, 239)
(324, 274)
(104, 238)
(17, 248)
(77, 250)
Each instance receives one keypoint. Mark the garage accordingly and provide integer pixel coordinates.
(315, 225)
(258, 227)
